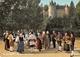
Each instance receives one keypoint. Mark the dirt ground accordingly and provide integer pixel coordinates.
(44, 53)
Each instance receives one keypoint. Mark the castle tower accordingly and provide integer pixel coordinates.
(66, 10)
(51, 9)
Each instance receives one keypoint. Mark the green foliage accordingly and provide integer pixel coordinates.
(46, 7)
(78, 8)
(78, 12)
(27, 14)
(21, 14)
(72, 9)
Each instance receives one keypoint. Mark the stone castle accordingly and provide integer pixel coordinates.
(55, 10)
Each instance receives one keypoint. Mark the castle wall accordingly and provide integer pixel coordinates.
(60, 12)
(57, 10)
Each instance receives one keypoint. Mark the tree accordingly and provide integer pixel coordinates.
(46, 7)
(21, 14)
(78, 13)
(55, 23)
(78, 8)
(72, 9)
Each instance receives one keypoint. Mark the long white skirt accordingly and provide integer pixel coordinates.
(11, 48)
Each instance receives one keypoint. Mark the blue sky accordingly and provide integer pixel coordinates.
(60, 2)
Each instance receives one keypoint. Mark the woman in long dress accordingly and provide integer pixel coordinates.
(45, 44)
(32, 41)
(72, 38)
(59, 42)
(67, 42)
(21, 43)
(7, 46)
(11, 41)
(38, 44)
(47, 40)
(53, 38)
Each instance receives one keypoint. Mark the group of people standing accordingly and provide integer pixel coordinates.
(45, 39)
(61, 41)
(10, 40)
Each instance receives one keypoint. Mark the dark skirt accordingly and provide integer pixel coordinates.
(7, 46)
(32, 45)
(59, 43)
(66, 47)
(20, 46)
(39, 44)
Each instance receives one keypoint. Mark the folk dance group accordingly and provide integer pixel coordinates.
(57, 40)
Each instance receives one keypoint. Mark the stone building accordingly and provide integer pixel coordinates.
(55, 10)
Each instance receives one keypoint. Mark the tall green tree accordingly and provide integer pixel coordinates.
(21, 14)
(78, 13)
(72, 9)
(78, 8)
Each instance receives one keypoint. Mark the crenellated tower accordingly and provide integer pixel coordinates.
(52, 9)
(66, 10)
